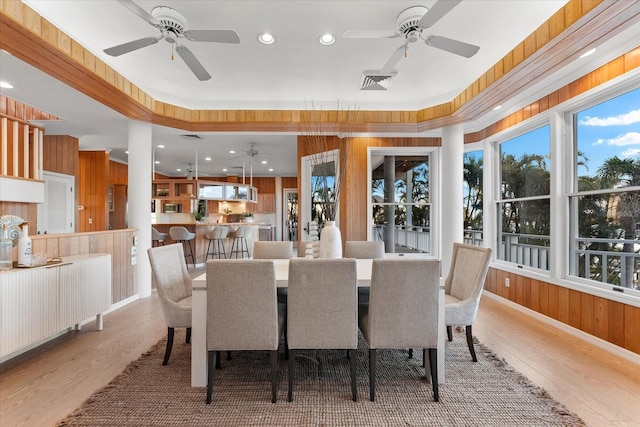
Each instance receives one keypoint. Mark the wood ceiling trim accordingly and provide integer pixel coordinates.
(30, 37)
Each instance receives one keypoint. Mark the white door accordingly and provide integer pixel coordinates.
(57, 214)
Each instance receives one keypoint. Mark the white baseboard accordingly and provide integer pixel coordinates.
(591, 339)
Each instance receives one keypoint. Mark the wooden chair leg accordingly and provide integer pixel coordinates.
(470, 343)
(433, 364)
(352, 359)
(212, 360)
(449, 334)
(372, 374)
(167, 352)
(188, 338)
(292, 361)
(274, 376)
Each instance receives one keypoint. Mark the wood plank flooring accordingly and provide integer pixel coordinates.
(41, 387)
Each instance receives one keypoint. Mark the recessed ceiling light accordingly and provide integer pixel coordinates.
(497, 107)
(270, 169)
(208, 158)
(224, 170)
(587, 53)
(232, 151)
(157, 162)
(178, 170)
(264, 162)
(160, 146)
(6, 85)
(126, 152)
(326, 40)
(266, 38)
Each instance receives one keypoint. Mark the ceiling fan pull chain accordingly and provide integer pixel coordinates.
(172, 50)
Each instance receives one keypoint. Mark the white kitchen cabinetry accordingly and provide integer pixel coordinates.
(37, 303)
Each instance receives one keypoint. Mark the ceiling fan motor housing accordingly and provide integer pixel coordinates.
(174, 23)
(408, 22)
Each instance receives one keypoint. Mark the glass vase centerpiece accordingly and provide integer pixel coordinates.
(328, 146)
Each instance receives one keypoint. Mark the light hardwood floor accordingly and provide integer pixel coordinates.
(39, 388)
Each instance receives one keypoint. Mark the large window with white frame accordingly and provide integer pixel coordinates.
(523, 199)
(605, 202)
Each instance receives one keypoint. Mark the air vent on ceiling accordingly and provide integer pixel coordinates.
(191, 136)
(375, 80)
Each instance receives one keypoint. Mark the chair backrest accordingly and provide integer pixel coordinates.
(302, 247)
(169, 272)
(242, 312)
(216, 233)
(224, 232)
(272, 250)
(156, 235)
(242, 231)
(180, 233)
(468, 270)
(363, 249)
(321, 304)
(403, 303)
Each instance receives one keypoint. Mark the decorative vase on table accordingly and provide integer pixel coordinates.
(330, 241)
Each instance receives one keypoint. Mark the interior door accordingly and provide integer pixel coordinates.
(57, 214)
(290, 217)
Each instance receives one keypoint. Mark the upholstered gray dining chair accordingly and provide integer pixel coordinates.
(242, 313)
(169, 273)
(463, 288)
(364, 250)
(402, 312)
(272, 250)
(321, 310)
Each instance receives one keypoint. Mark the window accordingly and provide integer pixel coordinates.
(605, 205)
(523, 231)
(472, 197)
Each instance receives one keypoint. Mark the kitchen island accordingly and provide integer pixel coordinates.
(199, 244)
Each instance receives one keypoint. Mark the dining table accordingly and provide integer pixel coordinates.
(281, 269)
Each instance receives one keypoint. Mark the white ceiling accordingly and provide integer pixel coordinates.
(294, 73)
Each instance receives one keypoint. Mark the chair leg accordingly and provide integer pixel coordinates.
(470, 343)
(224, 252)
(352, 360)
(292, 361)
(424, 357)
(206, 255)
(433, 364)
(217, 360)
(410, 353)
(372, 374)
(167, 352)
(228, 355)
(449, 334)
(212, 360)
(188, 339)
(274, 376)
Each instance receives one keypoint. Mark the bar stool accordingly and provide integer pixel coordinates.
(216, 238)
(239, 245)
(182, 235)
(158, 238)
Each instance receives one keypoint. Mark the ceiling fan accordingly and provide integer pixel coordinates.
(250, 153)
(411, 24)
(172, 26)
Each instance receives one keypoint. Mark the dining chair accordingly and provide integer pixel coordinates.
(242, 313)
(463, 288)
(364, 250)
(169, 273)
(402, 312)
(272, 250)
(321, 310)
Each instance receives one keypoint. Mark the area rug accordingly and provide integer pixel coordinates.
(486, 393)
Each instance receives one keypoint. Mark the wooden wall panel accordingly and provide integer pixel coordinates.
(60, 154)
(118, 173)
(609, 320)
(92, 191)
(289, 182)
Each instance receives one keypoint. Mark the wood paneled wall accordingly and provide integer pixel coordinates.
(609, 320)
(118, 173)
(289, 182)
(92, 184)
(117, 243)
(61, 154)
(23, 112)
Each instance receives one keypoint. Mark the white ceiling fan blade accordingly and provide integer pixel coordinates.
(366, 34)
(192, 62)
(218, 36)
(437, 11)
(397, 55)
(131, 46)
(141, 13)
(454, 46)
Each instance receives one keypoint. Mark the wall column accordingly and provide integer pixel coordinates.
(451, 218)
(140, 153)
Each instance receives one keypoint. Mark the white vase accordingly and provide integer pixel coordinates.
(330, 241)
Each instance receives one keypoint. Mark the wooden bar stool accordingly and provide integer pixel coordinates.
(184, 236)
(216, 239)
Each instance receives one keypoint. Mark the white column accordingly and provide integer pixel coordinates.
(277, 232)
(451, 217)
(140, 153)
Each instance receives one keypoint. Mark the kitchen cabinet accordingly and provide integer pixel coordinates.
(37, 303)
(266, 203)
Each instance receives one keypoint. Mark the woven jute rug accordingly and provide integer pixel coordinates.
(486, 393)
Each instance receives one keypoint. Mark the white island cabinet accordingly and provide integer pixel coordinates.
(40, 302)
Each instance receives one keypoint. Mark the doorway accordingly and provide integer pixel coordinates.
(290, 217)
